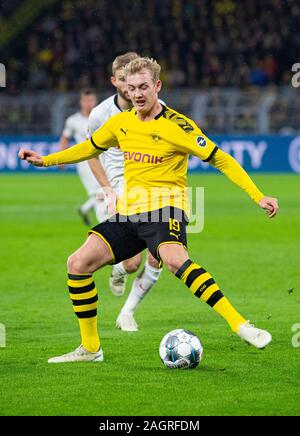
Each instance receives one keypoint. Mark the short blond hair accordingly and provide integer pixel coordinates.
(139, 64)
(123, 60)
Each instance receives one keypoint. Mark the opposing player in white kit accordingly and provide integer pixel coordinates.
(109, 171)
(75, 128)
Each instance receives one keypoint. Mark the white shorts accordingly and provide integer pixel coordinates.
(87, 178)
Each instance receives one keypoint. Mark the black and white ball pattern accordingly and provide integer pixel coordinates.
(180, 349)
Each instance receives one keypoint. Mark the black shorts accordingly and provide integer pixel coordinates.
(127, 236)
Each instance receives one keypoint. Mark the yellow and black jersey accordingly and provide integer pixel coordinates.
(155, 157)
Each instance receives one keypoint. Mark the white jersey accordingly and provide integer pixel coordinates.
(112, 160)
(76, 127)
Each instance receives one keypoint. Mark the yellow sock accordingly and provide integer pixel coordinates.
(204, 287)
(83, 294)
(225, 309)
(89, 333)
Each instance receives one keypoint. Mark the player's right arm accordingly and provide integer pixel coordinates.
(65, 137)
(99, 172)
(67, 134)
(100, 141)
(63, 142)
(97, 118)
(77, 153)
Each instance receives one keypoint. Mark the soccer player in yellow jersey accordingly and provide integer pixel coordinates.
(156, 142)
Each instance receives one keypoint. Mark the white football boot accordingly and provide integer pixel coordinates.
(126, 322)
(79, 355)
(254, 336)
(117, 282)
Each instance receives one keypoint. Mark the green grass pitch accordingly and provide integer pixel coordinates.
(254, 260)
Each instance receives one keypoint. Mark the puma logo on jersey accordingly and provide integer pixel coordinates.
(124, 131)
(141, 157)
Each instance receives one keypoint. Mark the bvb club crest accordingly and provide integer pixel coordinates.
(155, 136)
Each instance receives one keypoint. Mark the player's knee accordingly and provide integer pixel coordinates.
(132, 265)
(132, 268)
(152, 261)
(75, 265)
(173, 263)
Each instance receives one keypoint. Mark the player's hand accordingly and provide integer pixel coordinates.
(100, 194)
(110, 198)
(31, 157)
(270, 205)
(62, 167)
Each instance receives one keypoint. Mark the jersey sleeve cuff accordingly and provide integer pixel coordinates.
(258, 196)
(46, 162)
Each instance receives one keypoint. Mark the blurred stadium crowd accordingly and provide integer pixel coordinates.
(226, 63)
(199, 43)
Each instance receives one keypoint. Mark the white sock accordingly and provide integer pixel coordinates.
(140, 287)
(119, 267)
(88, 205)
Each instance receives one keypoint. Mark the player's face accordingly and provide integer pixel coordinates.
(143, 90)
(119, 82)
(88, 102)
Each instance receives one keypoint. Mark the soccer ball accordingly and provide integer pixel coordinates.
(180, 349)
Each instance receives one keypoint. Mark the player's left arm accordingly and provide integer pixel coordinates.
(234, 171)
(196, 143)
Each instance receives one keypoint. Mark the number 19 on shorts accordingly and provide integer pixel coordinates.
(174, 227)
